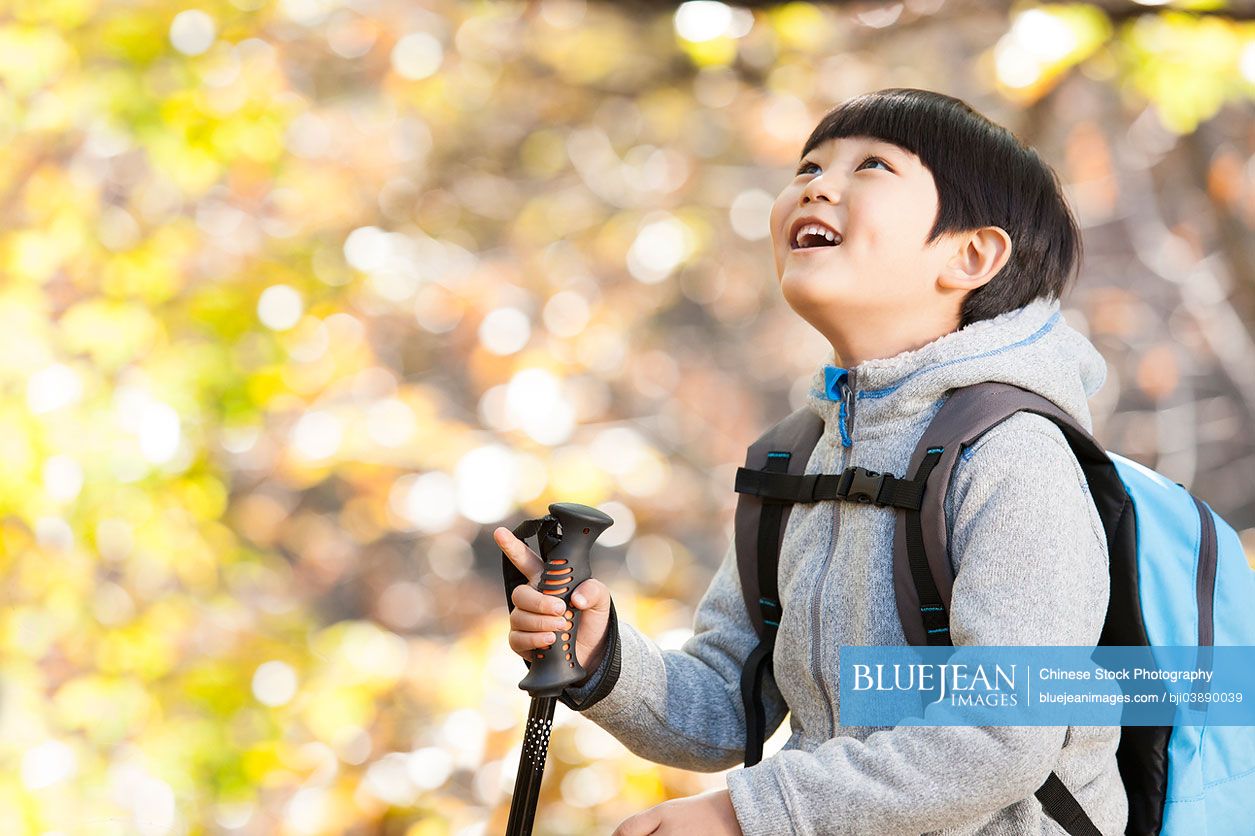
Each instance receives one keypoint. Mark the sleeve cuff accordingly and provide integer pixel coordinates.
(758, 800)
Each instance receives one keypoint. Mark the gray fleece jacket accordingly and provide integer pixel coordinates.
(1031, 569)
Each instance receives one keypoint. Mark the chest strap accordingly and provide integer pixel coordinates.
(854, 484)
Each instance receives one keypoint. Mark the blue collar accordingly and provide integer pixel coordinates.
(834, 376)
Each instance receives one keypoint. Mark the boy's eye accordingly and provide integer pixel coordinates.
(807, 164)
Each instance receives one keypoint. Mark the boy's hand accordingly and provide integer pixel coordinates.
(538, 619)
(710, 814)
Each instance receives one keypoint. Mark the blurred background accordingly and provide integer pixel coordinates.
(300, 299)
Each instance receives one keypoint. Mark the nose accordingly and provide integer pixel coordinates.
(818, 189)
(822, 186)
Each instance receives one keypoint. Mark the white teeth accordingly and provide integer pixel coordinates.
(817, 229)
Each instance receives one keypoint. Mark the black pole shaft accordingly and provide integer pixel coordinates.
(531, 767)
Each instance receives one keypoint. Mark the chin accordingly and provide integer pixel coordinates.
(814, 291)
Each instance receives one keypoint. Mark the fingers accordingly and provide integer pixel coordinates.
(531, 599)
(537, 621)
(523, 643)
(592, 594)
(523, 558)
(642, 824)
(530, 622)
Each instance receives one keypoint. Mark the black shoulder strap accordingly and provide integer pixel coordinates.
(785, 448)
(922, 572)
(760, 525)
(923, 575)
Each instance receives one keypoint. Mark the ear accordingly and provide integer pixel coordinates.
(979, 257)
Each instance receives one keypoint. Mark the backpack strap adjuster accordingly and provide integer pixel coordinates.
(771, 607)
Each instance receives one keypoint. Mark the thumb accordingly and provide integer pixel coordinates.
(592, 594)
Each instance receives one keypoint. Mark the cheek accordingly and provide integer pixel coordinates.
(894, 229)
(777, 222)
(784, 204)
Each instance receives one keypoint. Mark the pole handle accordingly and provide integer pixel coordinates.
(567, 565)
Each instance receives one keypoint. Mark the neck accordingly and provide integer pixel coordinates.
(856, 339)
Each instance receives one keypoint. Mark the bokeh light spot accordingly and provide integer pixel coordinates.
(505, 331)
(280, 307)
(624, 524)
(47, 764)
(537, 403)
(274, 683)
(750, 214)
(417, 56)
(486, 481)
(63, 478)
(429, 767)
(192, 32)
(52, 388)
(426, 501)
(702, 20)
(659, 248)
(317, 436)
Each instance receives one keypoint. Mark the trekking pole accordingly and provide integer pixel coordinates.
(555, 667)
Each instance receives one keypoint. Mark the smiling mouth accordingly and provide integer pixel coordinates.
(819, 249)
(812, 241)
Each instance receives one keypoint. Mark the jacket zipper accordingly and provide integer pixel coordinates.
(849, 407)
(817, 602)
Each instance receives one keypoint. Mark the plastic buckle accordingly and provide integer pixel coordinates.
(864, 485)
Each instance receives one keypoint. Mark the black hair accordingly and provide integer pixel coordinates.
(985, 176)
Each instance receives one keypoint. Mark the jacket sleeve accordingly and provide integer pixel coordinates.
(1032, 570)
(683, 707)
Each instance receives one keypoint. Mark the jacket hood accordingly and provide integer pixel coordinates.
(1031, 347)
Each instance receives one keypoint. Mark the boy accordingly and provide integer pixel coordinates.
(946, 245)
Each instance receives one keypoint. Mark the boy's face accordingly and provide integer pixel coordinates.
(882, 201)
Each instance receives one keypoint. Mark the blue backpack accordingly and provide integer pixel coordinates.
(1179, 576)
